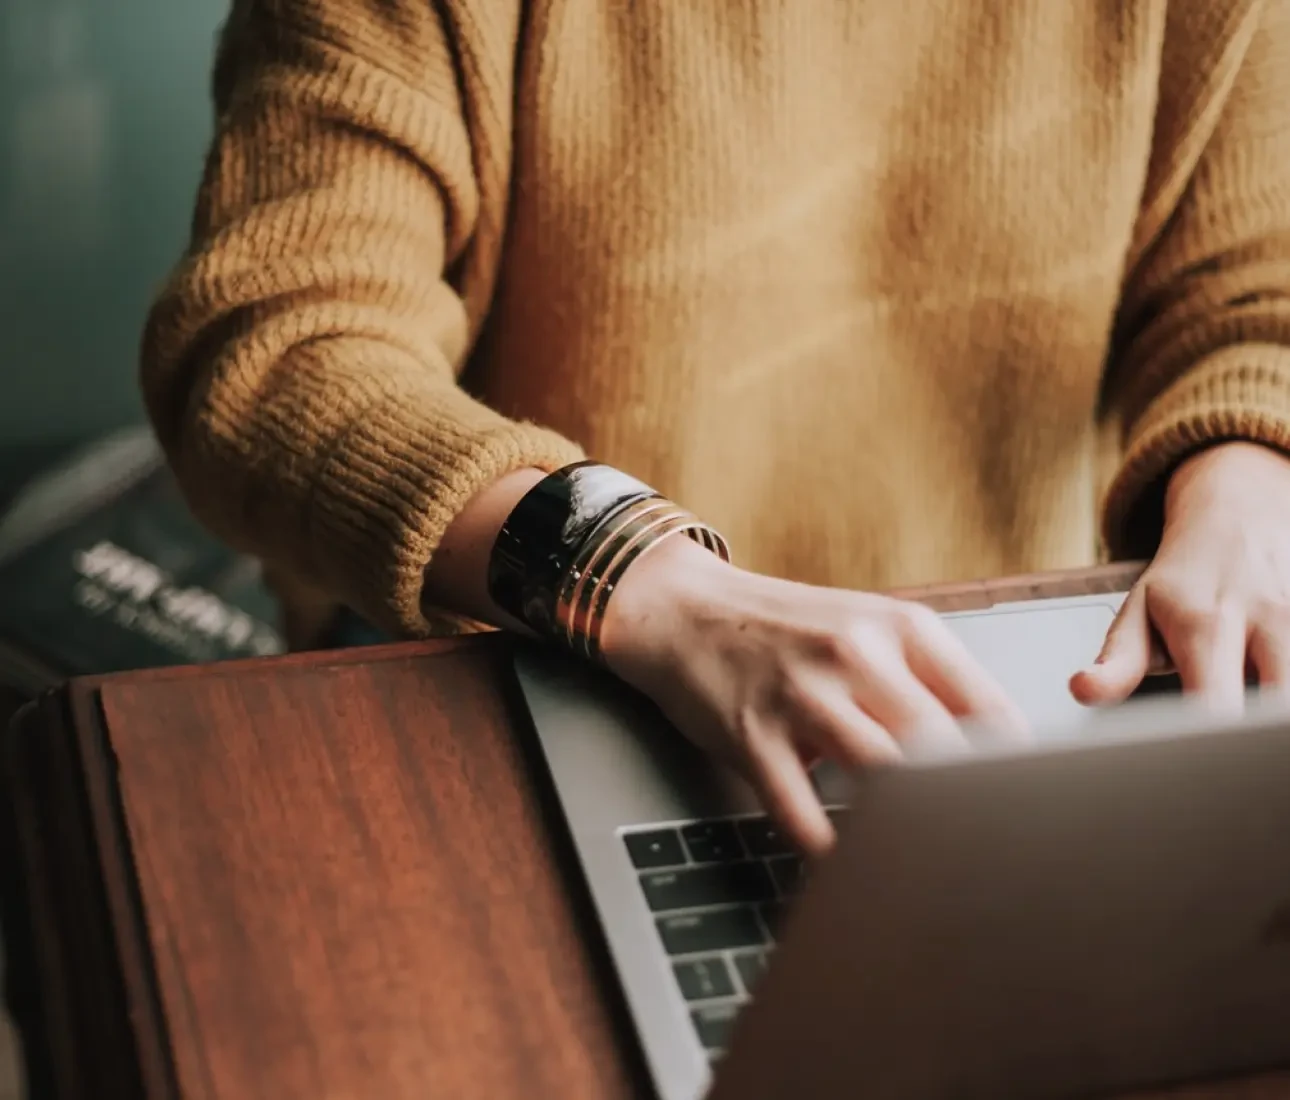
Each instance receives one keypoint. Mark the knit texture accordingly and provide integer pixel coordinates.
(889, 293)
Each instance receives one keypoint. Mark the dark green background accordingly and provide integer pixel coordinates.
(104, 119)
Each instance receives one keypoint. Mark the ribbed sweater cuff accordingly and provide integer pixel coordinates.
(1240, 393)
(401, 474)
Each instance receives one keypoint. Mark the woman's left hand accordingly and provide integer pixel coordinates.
(1217, 594)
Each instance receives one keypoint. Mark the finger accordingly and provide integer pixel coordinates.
(943, 663)
(826, 717)
(788, 794)
(808, 754)
(899, 702)
(1209, 652)
(1269, 653)
(1125, 659)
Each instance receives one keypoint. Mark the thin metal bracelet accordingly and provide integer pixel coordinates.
(628, 556)
(592, 556)
(578, 610)
(565, 547)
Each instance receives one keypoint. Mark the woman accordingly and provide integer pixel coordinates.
(885, 293)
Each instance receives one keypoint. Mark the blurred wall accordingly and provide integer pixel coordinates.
(104, 118)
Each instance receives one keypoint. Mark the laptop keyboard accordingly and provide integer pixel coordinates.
(718, 890)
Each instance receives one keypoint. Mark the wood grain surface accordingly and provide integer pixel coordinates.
(340, 876)
(351, 888)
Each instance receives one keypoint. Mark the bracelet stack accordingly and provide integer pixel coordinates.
(567, 545)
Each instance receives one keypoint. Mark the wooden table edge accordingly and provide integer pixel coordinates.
(959, 596)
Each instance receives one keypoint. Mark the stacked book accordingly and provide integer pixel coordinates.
(103, 568)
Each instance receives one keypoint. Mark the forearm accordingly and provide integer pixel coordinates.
(676, 570)
(1202, 348)
(457, 578)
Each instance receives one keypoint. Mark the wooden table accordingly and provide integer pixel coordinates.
(329, 876)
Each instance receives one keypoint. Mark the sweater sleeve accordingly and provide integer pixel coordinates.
(300, 365)
(1202, 351)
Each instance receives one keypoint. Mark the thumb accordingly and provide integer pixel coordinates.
(1125, 658)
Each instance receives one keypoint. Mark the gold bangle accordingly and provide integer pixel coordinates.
(627, 556)
(598, 567)
(626, 548)
(583, 575)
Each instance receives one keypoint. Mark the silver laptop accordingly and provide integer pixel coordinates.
(695, 890)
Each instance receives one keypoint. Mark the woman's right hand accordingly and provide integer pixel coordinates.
(769, 675)
(765, 674)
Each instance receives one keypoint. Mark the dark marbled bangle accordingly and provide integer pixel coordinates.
(540, 539)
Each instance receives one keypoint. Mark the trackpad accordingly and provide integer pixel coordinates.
(1034, 651)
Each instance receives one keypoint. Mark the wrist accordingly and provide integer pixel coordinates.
(1221, 471)
(457, 577)
(566, 548)
(655, 598)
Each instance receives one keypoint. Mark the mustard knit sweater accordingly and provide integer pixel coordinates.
(888, 292)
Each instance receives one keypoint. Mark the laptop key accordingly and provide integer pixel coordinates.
(713, 884)
(788, 872)
(773, 916)
(712, 842)
(700, 979)
(657, 848)
(710, 930)
(762, 837)
(715, 1024)
(751, 966)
